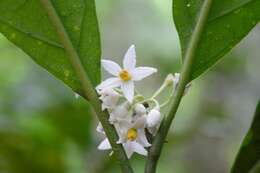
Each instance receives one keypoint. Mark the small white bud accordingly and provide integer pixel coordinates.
(169, 79)
(174, 80)
(153, 118)
(140, 109)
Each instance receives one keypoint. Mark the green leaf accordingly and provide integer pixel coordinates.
(26, 24)
(228, 23)
(249, 153)
(256, 168)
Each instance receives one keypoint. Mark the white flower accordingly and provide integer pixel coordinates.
(130, 127)
(153, 120)
(125, 77)
(104, 145)
(132, 137)
(109, 98)
(120, 113)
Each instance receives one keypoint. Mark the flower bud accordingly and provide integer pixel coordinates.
(153, 118)
(140, 109)
(174, 79)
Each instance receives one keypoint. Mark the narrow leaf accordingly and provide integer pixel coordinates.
(25, 23)
(228, 23)
(249, 153)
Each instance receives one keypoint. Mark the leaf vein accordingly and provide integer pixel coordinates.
(32, 35)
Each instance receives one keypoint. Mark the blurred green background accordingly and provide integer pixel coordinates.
(44, 129)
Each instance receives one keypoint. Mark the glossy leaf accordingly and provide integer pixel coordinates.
(249, 153)
(228, 22)
(26, 24)
(256, 168)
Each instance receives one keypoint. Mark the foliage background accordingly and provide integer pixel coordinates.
(44, 129)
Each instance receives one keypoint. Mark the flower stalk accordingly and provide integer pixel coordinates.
(158, 142)
(89, 91)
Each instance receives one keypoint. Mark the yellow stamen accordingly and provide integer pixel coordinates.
(131, 134)
(124, 75)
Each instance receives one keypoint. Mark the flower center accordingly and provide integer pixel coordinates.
(131, 134)
(124, 75)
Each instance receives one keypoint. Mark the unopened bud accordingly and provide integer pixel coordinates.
(153, 118)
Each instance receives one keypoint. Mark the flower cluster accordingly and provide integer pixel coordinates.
(133, 116)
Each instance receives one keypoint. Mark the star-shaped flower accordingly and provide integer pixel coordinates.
(125, 77)
(132, 137)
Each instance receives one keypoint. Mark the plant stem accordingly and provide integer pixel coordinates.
(165, 103)
(155, 150)
(162, 87)
(88, 89)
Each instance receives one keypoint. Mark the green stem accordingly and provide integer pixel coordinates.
(162, 87)
(155, 150)
(165, 103)
(88, 89)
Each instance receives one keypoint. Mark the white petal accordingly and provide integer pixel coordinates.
(140, 122)
(109, 98)
(130, 58)
(100, 128)
(120, 112)
(142, 138)
(128, 149)
(138, 148)
(109, 83)
(128, 90)
(111, 67)
(141, 72)
(104, 145)
(139, 109)
(122, 139)
(103, 106)
(124, 125)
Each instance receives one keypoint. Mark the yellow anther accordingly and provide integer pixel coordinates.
(131, 134)
(124, 75)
